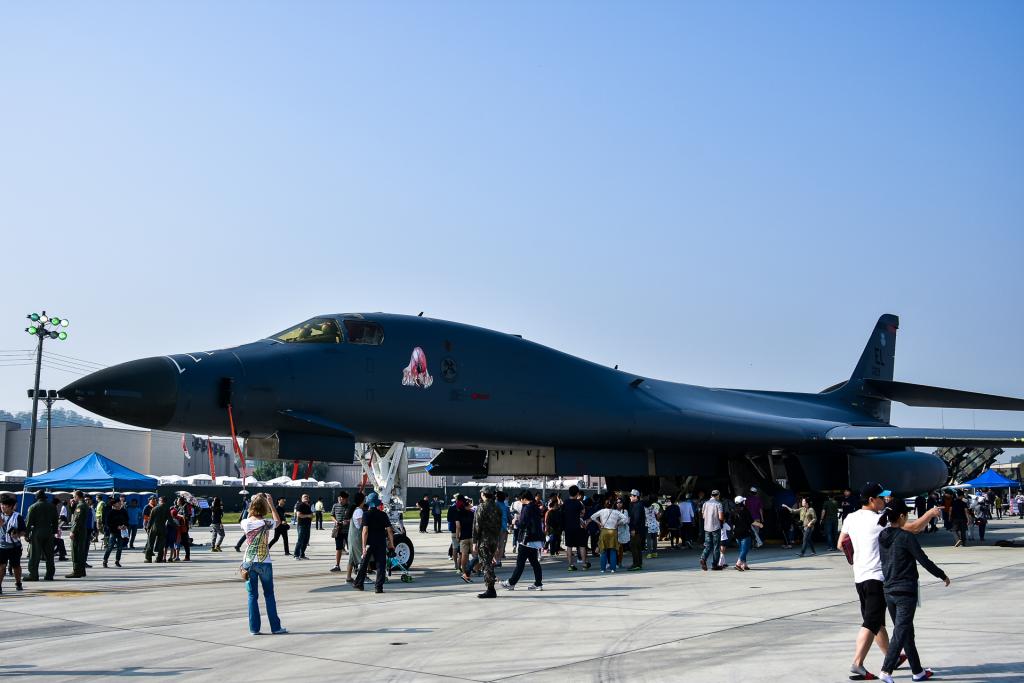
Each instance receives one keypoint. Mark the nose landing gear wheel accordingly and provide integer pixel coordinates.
(404, 552)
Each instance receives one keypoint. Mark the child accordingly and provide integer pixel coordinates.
(900, 553)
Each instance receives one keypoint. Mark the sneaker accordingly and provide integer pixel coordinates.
(335, 568)
(635, 568)
(534, 587)
(573, 568)
(586, 565)
(279, 632)
(602, 571)
(507, 586)
(612, 571)
(923, 676)
(886, 678)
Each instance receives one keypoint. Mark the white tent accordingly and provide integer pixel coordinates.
(278, 481)
(14, 475)
(199, 480)
(253, 481)
(171, 479)
(332, 484)
(228, 481)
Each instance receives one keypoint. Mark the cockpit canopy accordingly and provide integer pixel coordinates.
(330, 330)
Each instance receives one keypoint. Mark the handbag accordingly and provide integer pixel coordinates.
(334, 531)
(243, 570)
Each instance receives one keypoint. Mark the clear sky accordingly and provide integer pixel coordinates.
(722, 193)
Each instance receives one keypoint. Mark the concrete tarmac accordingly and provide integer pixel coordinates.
(789, 619)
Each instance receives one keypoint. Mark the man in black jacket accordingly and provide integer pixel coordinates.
(637, 529)
(531, 530)
(115, 521)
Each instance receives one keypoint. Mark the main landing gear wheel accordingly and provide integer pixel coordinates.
(404, 552)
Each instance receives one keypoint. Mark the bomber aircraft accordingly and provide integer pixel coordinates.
(496, 403)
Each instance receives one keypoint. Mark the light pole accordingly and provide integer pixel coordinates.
(41, 327)
(50, 397)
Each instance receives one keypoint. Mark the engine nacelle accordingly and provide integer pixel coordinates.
(900, 471)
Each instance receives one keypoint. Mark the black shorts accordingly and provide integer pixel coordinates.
(339, 540)
(10, 555)
(872, 604)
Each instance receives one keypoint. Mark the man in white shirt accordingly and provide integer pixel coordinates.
(712, 516)
(862, 529)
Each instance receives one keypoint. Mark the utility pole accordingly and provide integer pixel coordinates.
(50, 396)
(42, 328)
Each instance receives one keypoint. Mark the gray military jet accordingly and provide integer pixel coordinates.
(499, 404)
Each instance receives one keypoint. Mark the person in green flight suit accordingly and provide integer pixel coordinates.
(41, 525)
(486, 536)
(79, 536)
(158, 530)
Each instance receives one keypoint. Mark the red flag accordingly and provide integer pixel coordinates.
(184, 448)
(209, 449)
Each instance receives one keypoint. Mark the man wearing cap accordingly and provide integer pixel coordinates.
(637, 530)
(862, 529)
(41, 526)
(378, 539)
(486, 535)
(713, 516)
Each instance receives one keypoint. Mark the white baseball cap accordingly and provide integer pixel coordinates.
(739, 499)
(634, 492)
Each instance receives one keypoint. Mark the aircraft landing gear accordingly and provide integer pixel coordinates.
(386, 468)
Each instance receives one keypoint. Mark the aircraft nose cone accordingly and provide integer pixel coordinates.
(143, 392)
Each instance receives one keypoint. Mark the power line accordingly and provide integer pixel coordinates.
(71, 360)
(80, 360)
(65, 364)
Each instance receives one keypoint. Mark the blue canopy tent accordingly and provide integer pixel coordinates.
(93, 472)
(991, 480)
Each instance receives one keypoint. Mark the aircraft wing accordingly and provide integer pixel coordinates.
(939, 397)
(900, 437)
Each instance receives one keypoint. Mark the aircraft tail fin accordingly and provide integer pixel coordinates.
(871, 388)
(876, 363)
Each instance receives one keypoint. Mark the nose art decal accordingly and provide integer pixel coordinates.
(415, 374)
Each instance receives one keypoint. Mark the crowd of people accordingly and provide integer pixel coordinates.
(606, 528)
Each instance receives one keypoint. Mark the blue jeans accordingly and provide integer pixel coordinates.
(808, 541)
(744, 548)
(608, 559)
(302, 542)
(712, 546)
(262, 572)
(830, 535)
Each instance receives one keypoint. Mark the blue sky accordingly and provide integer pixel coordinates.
(744, 187)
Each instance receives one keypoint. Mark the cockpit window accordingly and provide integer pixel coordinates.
(313, 331)
(364, 332)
